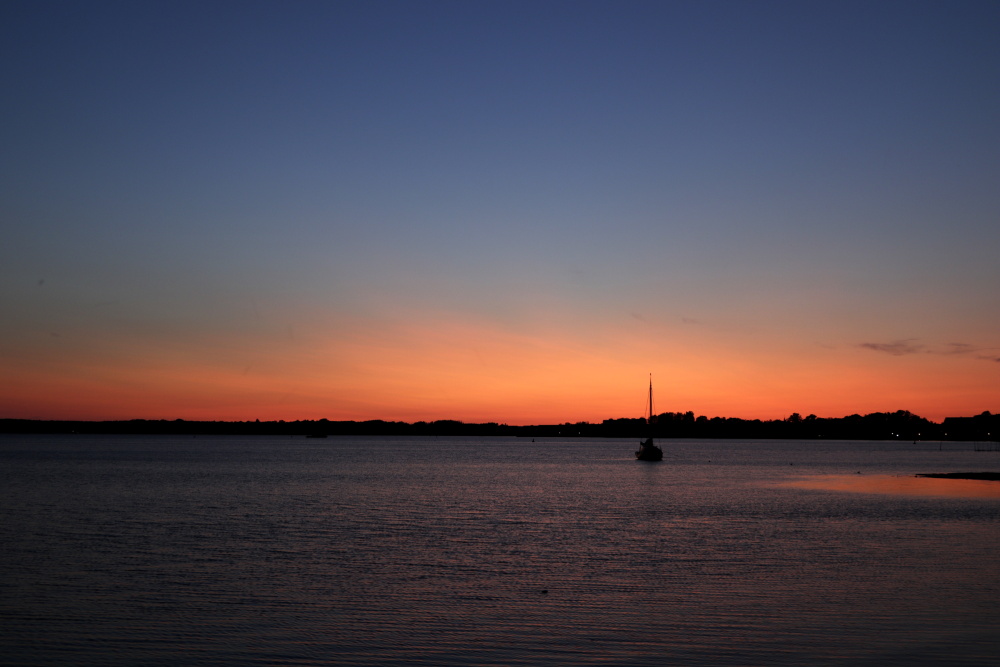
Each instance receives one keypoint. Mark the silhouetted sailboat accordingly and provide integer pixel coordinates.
(647, 450)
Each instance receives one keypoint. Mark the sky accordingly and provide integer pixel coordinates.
(498, 211)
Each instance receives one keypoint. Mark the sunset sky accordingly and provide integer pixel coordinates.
(498, 211)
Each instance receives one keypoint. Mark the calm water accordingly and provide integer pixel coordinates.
(378, 551)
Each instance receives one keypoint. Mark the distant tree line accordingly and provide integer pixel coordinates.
(899, 425)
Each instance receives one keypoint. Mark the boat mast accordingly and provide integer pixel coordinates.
(650, 420)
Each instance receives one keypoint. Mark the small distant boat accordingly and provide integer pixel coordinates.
(647, 450)
(315, 435)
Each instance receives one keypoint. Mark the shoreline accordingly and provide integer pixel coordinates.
(989, 476)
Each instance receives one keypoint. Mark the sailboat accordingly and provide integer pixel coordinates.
(647, 450)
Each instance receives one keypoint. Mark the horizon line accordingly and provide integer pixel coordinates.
(474, 423)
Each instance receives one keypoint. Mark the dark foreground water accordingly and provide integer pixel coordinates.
(377, 551)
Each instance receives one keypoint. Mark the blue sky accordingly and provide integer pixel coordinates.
(784, 200)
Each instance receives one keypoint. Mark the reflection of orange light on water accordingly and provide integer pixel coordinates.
(901, 485)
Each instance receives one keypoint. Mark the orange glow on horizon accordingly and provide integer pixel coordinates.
(428, 368)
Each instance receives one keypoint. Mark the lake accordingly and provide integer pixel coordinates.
(129, 550)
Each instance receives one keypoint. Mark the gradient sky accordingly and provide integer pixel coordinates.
(498, 211)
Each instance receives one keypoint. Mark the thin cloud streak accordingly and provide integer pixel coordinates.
(982, 353)
(897, 348)
(908, 346)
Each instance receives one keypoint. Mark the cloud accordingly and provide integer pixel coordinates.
(901, 348)
(983, 353)
(896, 348)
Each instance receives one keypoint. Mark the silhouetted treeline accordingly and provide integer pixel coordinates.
(318, 427)
(899, 425)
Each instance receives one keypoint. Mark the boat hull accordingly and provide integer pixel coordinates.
(649, 452)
